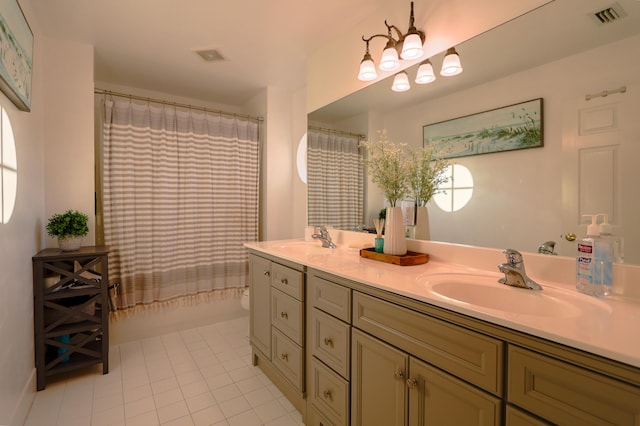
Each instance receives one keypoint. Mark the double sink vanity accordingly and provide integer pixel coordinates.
(354, 341)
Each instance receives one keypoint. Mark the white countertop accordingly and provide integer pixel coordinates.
(603, 326)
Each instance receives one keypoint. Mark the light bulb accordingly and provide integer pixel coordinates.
(451, 64)
(401, 82)
(389, 60)
(367, 69)
(412, 47)
(425, 73)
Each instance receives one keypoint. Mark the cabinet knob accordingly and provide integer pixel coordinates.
(328, 341)
(284, 315)
(267, 273)
(412, 383)
(284, 281)
(398, 375)
(327, 395)
(285, 357)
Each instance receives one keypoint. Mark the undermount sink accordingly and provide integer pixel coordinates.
(484, 291)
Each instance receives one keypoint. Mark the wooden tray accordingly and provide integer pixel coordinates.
(411, 258)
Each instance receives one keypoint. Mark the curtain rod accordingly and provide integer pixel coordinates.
(339, 132)
(175, 104)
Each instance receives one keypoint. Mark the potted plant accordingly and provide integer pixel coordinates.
(426, 174)
(69, 227)
(387, 166)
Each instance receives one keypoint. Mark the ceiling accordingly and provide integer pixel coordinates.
(150, 44)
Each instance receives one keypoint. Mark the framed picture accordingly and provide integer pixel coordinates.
(16, 54)
(511, 127)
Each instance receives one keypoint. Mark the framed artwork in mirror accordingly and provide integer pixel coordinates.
(16, 54)
(517, 126)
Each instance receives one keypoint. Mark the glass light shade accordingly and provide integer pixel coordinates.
(412, 47)
(425, 73)
(451, 64)
(389, 60)
(401, 82)
(367, 70)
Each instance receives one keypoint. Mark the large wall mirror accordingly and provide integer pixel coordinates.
(563, 53)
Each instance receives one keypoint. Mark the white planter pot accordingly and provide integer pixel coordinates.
(395, 240)
(69, 243)
(422, 224)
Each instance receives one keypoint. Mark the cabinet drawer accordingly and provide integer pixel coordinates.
(566, 394)
(314, 418)
(516, 417)
(471, 356)
(329, 393)
(332, 298)
(287, 315)
(331, 341)
(287, 280)
(288, 358)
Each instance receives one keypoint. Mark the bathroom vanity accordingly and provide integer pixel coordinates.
(354, 341)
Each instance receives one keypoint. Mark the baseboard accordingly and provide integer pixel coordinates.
(21, 412)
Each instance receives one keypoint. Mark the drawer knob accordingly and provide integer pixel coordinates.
(284, 315)
(398, 375)
(267, 273)
(327, 395)
(284, 281)
(412, 383)
(284, 356)
(328, 341)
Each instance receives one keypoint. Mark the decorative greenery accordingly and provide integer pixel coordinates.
(426, 173)
(382, 214)
(71, 223)
(386, 164)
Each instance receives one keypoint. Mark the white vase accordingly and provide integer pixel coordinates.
(422, 223)
(69, 243)
(395, 240)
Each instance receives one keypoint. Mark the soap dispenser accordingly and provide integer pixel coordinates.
(617, 242)
(585, 262)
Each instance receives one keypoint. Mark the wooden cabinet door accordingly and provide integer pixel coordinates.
(260, 310)
(437, 398)
(378, 388)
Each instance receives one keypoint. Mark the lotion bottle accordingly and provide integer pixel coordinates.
(585, 260)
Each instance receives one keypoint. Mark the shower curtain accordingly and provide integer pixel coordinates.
(335, 180)
(179, 199)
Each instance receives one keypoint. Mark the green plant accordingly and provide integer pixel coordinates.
(426, 173)
(71, 223)
(387, 165)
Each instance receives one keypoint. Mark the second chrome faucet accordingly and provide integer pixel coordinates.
(514, 273)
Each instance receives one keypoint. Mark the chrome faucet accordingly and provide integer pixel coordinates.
(322, 234)
(514, 273)
(547, 247)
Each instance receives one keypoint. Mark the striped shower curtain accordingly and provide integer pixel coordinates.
(334, 179)
(180, 197)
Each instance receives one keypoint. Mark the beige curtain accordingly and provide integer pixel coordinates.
(180, 197)
(334, 179)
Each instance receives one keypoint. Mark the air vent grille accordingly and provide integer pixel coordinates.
(609, 15)
(210, 55)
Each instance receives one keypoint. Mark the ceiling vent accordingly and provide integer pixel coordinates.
(210, 55)
(611, 14)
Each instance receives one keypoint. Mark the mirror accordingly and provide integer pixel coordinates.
(558, 52)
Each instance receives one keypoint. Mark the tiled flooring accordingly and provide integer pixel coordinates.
(201, 376)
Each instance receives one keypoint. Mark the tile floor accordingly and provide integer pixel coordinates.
(201, 376)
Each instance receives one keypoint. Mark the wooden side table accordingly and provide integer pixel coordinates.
(71, 310)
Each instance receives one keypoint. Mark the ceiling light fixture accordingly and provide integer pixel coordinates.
(425, 73)
(407, 46)
(401, 82)
(451, 64)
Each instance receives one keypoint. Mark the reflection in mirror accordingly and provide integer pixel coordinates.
(335, 179)
(522, 199)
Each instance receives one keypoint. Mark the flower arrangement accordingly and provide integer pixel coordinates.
(386, 164)
(400, 171)
(426, 174)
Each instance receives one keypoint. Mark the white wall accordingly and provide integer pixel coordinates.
(502, 179)
(68, 140)
(20, 239)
